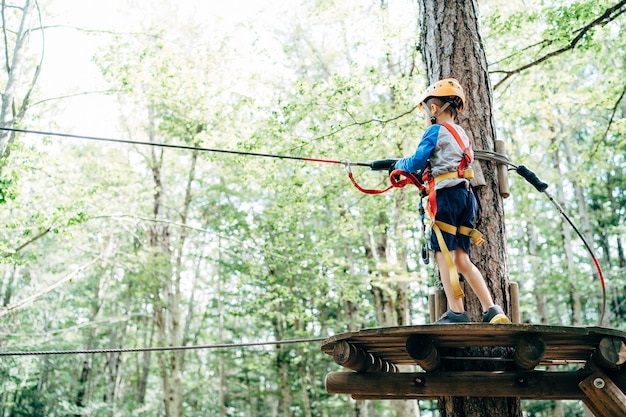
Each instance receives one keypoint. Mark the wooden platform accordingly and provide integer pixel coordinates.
(481, 360)
(563, 344)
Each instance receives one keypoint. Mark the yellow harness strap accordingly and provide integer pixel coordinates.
(454, 274)
(474, 234)
(468, 174)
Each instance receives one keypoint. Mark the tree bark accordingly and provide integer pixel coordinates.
(452, 46)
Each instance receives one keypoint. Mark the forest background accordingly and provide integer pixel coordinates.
(109, 245)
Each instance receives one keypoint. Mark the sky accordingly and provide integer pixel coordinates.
(77, 28)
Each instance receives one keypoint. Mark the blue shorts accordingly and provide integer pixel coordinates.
(457, 207)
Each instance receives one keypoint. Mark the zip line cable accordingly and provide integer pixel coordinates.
(187, 147)
(160, 349)
(542, 187)
(523, 171)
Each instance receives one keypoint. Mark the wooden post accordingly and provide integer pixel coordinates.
(423, 351)
(431, 308)
(503, 178)
(604, 398)
(528, 352)
(515, 313)
(441, 303)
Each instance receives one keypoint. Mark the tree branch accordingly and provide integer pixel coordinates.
(28, 300)
(28, 242)
(609, 15)
(608, 126)
(357, 123)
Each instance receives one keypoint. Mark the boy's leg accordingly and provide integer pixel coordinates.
(473, 277)
(491, 313)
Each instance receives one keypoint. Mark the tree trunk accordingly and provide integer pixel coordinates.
(302, 372)
(621, 259)
(540, 298)
(83, 385)
(351, 316)
(11, 111)
(7, 289)
(282, 367)
(167, 291)
(220, 331)
(392, 304)
(143, 370)
(164, 302)
(576, 303)
(452, 46)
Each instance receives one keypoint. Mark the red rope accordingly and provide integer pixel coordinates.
(394, 178)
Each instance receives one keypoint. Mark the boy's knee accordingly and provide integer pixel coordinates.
(463, 261)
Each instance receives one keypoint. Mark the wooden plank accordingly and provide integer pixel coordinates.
(603, 397)
(421, 385)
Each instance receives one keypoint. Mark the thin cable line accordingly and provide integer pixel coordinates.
(187, 147)
(480, 154)
(159, 349)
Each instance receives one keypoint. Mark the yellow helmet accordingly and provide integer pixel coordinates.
(448, 87)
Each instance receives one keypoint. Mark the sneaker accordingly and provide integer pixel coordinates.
(495, 315)
(450, 317)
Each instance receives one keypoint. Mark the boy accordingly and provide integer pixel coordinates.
(444, 153)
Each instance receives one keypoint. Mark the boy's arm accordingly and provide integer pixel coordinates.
(418, 160)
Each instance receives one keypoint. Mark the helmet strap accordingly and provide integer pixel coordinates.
(433, 117)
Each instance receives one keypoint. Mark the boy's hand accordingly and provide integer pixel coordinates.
(383, 164)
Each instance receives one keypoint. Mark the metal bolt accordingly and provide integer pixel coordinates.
(419, 381)
(598, 383)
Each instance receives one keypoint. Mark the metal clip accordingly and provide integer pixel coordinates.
(425, 255)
